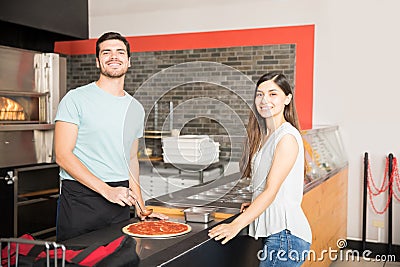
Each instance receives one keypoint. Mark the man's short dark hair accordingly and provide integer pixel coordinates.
(112, 36)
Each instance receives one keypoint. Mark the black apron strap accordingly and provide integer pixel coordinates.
(35, 251)
(87, 251)
(84, 253)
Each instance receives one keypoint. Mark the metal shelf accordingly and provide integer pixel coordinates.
(157, 132)
(19, 93)
(153, 136)
(26, 127)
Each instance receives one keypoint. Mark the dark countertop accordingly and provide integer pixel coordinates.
(195, 248)
(151, 251)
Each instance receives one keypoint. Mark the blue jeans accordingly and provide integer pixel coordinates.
(283, 249)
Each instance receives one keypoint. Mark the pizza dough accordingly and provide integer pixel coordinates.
(156, 229)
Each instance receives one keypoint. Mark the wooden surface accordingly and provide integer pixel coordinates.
(176, 211)
(40, 193)
(326, 209)
(150, 158)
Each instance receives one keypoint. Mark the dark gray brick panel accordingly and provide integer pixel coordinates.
(224, 76)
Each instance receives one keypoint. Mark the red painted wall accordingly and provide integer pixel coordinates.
(302, 36)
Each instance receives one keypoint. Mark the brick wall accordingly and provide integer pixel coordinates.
(210, 89)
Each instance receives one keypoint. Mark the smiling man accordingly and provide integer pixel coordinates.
(96, 141)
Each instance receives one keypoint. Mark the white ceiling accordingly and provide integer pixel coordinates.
(107, 7)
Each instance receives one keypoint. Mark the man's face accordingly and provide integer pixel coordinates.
(113, 59)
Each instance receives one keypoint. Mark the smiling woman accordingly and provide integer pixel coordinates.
(274, 213)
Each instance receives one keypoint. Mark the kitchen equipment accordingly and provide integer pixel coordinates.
(145, 212)
(150, 145)
(28, 200)
(199, 214)
(148, 152)
(190, 150)
(31, 85)
(16, 245)
(175, 132)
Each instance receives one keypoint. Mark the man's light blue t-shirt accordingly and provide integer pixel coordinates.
(107, 127)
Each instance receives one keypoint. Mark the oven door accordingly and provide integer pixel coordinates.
(30, 201)
(6, 203)
(37, 190)
(21, 146)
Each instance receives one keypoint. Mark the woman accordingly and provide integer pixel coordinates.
(274, 159)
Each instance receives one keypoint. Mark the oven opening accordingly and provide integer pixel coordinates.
(22, 108)
(11, 110)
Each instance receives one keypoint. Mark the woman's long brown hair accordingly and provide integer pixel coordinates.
(257, 128)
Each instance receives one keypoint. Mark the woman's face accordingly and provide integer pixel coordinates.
(271, 100)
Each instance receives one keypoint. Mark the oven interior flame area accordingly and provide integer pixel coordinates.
(10, 110)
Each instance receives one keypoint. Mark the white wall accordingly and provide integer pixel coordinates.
(355, 74)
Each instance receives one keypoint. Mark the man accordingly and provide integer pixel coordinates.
(96, 142)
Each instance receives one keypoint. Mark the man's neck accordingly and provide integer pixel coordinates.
(114, 86)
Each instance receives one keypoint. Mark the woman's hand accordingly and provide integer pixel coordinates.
(224, 231)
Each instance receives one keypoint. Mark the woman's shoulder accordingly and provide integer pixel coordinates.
(288, 128)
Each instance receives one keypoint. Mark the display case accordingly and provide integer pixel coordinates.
(324, 154)
(325, 190)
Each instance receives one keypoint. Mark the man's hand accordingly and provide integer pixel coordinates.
(154, 215)
(120, 195)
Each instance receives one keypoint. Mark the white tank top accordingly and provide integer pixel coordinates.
(285, 211)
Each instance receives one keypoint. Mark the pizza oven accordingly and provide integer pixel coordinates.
(31, 85)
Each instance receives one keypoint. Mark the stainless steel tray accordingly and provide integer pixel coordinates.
(199, 214)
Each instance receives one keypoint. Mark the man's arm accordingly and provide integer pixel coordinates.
(65, 137)
(134, 183)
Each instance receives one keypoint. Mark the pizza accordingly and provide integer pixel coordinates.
(156, 229)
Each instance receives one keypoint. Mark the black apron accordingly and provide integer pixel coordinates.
(82, 210)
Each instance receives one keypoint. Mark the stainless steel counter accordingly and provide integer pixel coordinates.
(216, 193)
(226, 192)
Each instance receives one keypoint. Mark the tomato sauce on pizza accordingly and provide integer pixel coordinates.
(160, 228)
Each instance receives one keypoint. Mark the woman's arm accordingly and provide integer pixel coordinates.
(284, 158)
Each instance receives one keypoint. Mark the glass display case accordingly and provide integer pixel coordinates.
(324, 153)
